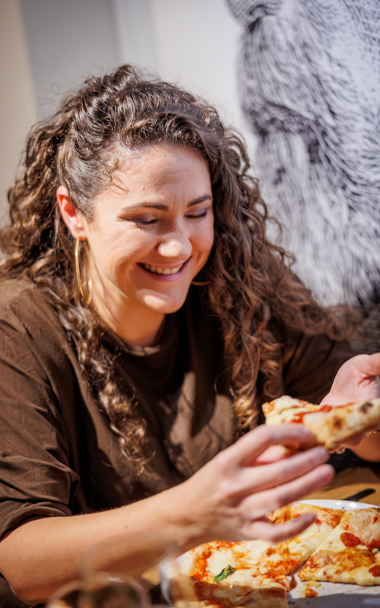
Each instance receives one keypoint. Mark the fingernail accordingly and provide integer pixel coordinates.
(305, 433)
(321, 453)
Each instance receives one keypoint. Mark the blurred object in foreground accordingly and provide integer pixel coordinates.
(100, 591)
(176, 587)
(110, 571)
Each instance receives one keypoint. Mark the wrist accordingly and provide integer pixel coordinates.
(181, 516)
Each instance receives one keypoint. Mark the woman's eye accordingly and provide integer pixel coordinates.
(143, 221)
(146, 222)
(197, 216)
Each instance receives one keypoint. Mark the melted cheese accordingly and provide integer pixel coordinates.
(252, 583)
(335, 562)
(285, 409)
(303, 545)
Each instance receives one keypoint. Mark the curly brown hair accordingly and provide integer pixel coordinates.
(250, 282)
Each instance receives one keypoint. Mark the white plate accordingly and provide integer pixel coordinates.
(330, 595)
(336, 595)
(347, 505)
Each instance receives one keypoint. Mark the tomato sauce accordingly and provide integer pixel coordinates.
(298, 417)
(200, 573)
(272, 574)
(350, 540)
(225, 544)
(286, 514)
(375, 570)
(328, 408)
(374, 544)
(310, 592)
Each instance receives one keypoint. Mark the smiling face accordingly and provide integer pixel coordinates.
(151, 234)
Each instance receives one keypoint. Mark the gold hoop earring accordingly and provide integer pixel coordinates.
(78, 274)
(200, 283)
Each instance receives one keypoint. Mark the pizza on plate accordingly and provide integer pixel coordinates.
(286, 557)
(351, 552)
(340, 546)
(254, 573)
(232, 574)
(331, 425)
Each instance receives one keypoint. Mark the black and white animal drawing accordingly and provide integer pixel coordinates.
(309, 77)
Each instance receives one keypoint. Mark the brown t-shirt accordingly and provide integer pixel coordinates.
(58, 455)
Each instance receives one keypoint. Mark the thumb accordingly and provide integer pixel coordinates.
(368, 365)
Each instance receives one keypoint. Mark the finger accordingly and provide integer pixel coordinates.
(248, 448)
(272, 454)
(278, 473)
(256, 479)
(277, 533)
(368, 365)
(269, 500)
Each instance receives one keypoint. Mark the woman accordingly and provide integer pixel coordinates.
(144, 320)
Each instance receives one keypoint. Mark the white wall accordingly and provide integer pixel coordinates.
(68, 40)
(17, 109)
(49, 46)
(191, 42)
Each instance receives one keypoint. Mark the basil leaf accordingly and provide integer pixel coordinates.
(227, 571)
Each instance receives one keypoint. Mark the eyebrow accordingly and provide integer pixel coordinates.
(163, 207)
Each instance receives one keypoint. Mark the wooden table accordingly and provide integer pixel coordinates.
(350, 481)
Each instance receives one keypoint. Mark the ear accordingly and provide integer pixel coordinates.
(74, 220)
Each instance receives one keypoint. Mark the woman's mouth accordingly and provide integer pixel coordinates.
(160, 270)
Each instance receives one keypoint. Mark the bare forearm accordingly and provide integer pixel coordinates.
(42, 555)
(226, 499)
(369, 448)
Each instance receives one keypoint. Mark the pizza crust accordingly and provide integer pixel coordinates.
(343, 423)
(331, 426)
(249, 586)
(259, 569)
(365, 524)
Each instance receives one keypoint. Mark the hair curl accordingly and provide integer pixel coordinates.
(250, 282)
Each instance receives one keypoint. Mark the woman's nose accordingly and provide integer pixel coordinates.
(175, 245)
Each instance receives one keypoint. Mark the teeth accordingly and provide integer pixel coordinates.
(158, 270)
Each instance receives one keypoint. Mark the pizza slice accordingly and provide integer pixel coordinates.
(350, 554)
(230, 575)
(253, 573)
(331, 425)
(286, 557)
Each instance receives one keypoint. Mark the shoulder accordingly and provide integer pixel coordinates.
(24, 305)
(30, 331)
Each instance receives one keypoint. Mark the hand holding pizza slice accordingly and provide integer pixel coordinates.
(357, 380)
(351, 408)
(332, 426)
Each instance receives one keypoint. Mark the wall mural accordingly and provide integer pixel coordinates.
(309, 78)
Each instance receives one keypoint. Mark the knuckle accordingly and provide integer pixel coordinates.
(274, 535)
(266, 432)
(222, 462)
(226, 492)
(280, 501)
(277, 477)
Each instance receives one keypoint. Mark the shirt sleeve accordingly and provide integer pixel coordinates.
(311, 369)
(36, 479)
